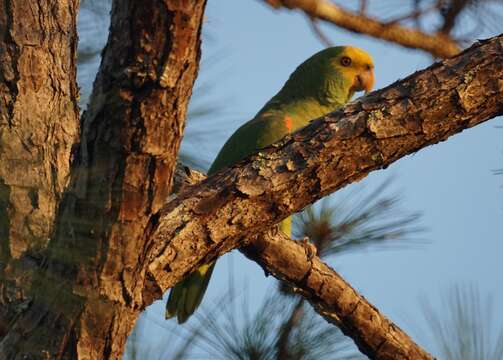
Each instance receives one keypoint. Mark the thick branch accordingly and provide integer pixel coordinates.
(439, 45)
(132, 132)
(211, 218)
(368, 134)
(332, 297)
(130, 139)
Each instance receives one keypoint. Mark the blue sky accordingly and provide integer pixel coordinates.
(249, 52)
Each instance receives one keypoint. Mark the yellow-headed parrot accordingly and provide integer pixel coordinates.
(321, 84)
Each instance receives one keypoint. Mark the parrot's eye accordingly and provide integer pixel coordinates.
(345, 61)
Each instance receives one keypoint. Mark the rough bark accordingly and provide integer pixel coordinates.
(368, 134)
(88, 288)
(39, 120)
(439, 44)
(130, 140)
(297, 263)
(332, 297)
(210, 218)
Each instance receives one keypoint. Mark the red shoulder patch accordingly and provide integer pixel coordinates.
(288, 121)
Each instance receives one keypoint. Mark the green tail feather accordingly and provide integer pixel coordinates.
(186, 296)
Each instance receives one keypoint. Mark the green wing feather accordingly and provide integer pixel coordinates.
(265, 129)
(186, 296)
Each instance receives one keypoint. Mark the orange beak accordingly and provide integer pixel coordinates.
(364, 81)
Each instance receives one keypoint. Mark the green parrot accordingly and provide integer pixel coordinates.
(321, 84)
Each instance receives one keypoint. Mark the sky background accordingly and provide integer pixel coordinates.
(249, 51)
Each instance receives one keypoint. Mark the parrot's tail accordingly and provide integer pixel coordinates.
(186, 296)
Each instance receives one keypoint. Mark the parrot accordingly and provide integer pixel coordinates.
(321, 84)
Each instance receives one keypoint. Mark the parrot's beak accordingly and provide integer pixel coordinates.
(364, 81)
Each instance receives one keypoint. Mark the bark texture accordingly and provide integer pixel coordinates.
(297, 263)
(342, 147)
(39, 120)
(87, 292)
(332, 297)
(130, 139)
(439, 44)
(368, 134)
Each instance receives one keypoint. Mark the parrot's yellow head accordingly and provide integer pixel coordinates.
(356, 66)
(331, 76)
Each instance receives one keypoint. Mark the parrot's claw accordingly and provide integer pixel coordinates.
(309, 248)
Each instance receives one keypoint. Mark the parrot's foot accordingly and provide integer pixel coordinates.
(309, 248)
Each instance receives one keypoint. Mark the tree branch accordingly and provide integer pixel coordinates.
(454, 8)
(331, 296)
(439, 45)
(371, 133)
(215, 216)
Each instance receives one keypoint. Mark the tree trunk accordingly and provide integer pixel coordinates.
(88, 288)
(39, 119)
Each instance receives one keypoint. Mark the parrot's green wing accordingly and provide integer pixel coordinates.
(249, 138)
(261, 131)
(266, 128)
